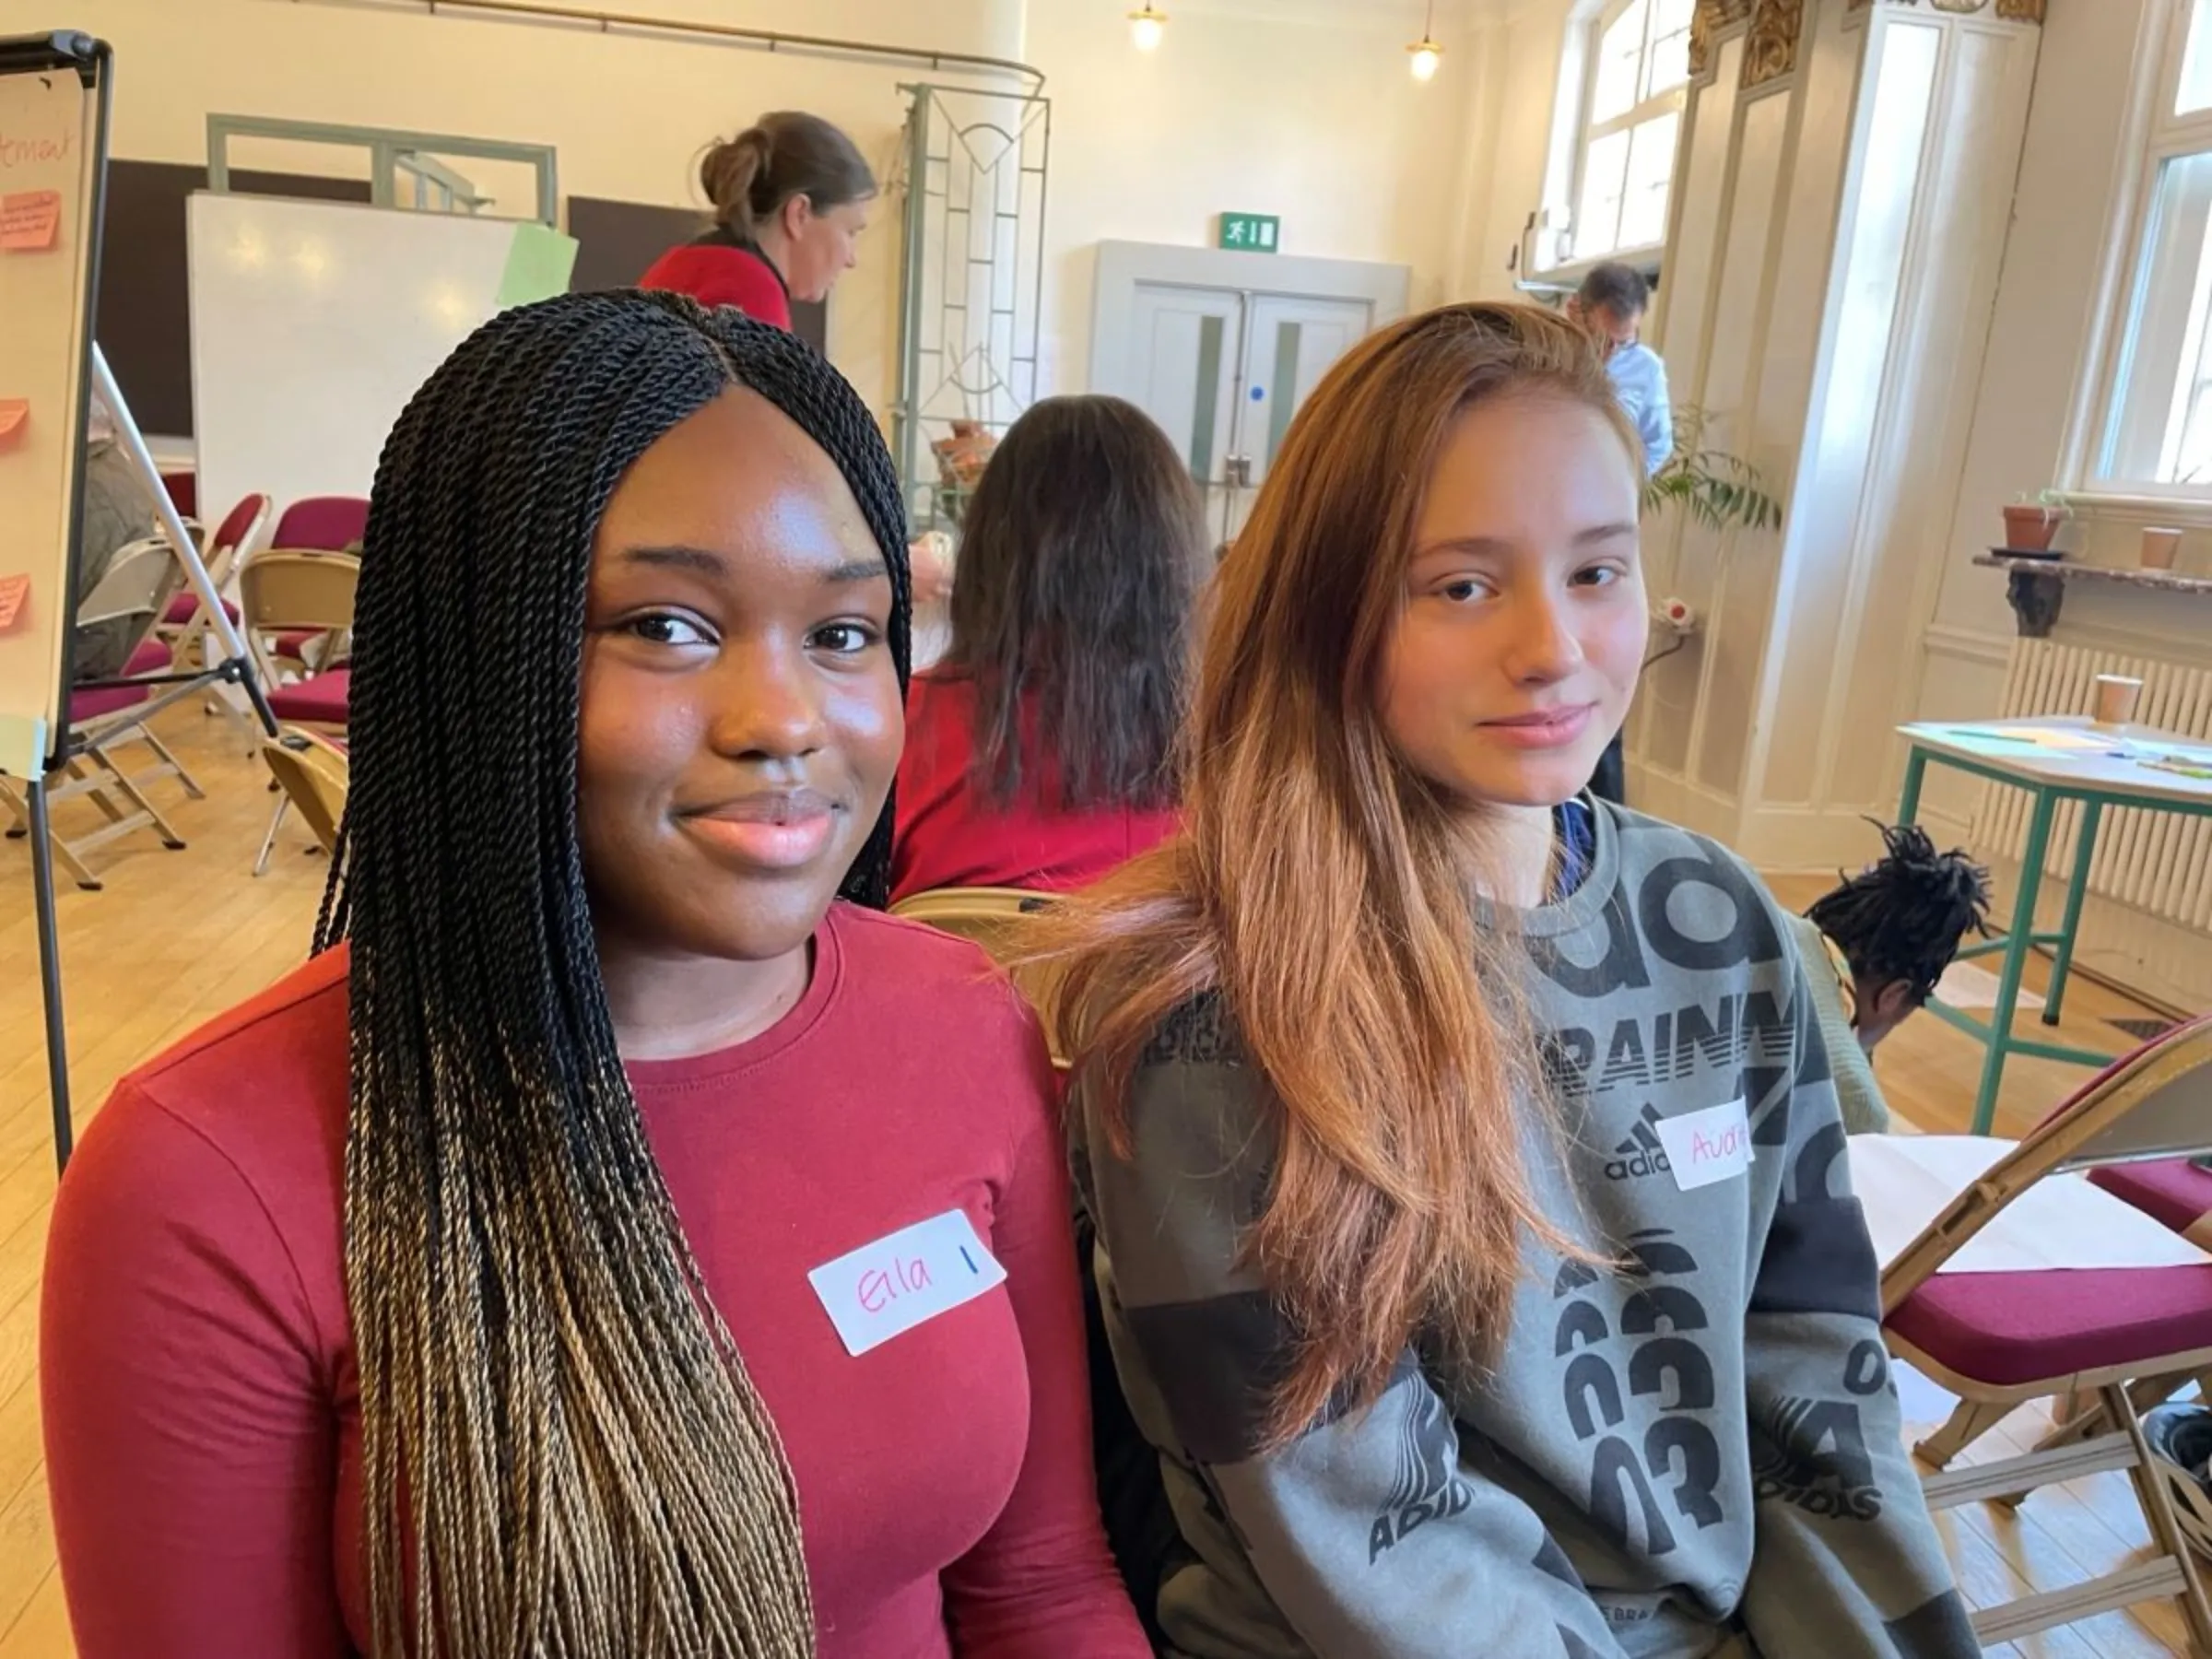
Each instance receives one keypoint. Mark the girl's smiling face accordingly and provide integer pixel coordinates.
(1514, 659)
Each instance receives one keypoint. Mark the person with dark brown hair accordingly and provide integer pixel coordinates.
(1474, 1235)
(790, 197)
(1039, 749)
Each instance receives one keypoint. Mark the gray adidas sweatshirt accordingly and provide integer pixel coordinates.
(1697, 1455)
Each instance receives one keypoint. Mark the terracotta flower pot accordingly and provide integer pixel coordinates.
(2158, 548)
(2031, 528)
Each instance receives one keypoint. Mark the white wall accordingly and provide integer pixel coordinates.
(1300, 107)
(628, 115)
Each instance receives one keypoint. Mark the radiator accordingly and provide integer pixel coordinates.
(2157, 862)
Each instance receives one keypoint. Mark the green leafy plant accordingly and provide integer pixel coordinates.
(1716, 488)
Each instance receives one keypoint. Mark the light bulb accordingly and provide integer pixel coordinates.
(1426, 55)
(1145, 27)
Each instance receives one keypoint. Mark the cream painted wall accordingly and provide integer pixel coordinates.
(1288, 107)
(628, 115)
(1519, 46)
(1302, 108)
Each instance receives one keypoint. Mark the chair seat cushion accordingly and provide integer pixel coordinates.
(186, 606)
(2172, 1191)
(151, 658)
(317, 701)
(2008, 1328)
(96, 705)
(291, 642)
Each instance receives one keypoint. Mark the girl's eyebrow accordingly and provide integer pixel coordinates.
(1495, 547)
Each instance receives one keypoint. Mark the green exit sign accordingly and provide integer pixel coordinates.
(1253, 233)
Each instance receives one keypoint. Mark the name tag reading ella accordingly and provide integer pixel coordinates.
(1708, 1145)
(905, 1279)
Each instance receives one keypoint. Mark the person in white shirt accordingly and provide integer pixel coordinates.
(1611, 303)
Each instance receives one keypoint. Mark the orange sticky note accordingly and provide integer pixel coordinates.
(14, 590)
(15, 414)
(29, 219)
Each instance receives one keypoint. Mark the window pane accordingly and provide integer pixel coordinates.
(1671, 17)
(2196, 63)
(1619, 56)
(1644, 195)
(2161, 430)
(1597, 219)
(1668, 65)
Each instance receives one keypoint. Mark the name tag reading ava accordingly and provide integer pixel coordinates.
(905, 1279)
(1708, 1145)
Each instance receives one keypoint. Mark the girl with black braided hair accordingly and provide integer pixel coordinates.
(597, 1250)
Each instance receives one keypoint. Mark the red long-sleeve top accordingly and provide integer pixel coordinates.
(950, 834)
(721, 271)
(200, 1398)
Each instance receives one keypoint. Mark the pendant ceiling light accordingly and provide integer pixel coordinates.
(1147, 26)
(1426, 53)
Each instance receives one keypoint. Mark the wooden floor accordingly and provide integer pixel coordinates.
(177, 936)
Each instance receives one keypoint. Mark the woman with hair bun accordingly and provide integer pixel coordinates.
(790, 197)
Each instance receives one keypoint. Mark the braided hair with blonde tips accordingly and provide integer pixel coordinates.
(562, 1452)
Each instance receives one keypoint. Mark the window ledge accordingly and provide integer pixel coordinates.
(1570, 275)
(2177, 512)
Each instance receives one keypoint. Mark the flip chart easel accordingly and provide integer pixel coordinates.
(55, 101)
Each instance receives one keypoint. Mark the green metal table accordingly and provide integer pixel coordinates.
(2054, 760)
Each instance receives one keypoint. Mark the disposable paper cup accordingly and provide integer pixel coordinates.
(2115, 700)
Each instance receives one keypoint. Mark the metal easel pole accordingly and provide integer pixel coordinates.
(50, 971)
(237, 662)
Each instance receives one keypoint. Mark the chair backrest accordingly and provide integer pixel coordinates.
(327, 523)
(142, 577)
(993, 918)
(286, 588)
(312, 771)
(2169, 1106)
(2153, 1102)
(236, 535)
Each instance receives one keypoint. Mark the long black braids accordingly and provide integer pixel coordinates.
(562, 1451)
(1903, 916)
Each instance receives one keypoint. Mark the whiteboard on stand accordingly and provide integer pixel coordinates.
(313, 324)
(52, 169)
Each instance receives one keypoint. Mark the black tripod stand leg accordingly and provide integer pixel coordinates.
(50, 974)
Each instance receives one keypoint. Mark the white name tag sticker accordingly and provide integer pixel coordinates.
(1708, 1145)
(905, 1279)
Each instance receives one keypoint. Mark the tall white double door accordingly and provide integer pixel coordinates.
(1223, 370)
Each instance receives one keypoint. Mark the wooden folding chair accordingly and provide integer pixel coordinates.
(118, 615)
(292, 594)
(312, 771)
(993, 918)
(1998, 1340)
(184, 624)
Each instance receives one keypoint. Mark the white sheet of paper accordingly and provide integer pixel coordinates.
(1708, 1145)
(904, 1279)
(1964, 985)
(1905, 1182)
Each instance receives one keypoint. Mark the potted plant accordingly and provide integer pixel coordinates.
(1714, 486)
(2030, 525)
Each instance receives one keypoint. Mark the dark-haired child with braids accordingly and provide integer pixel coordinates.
(1874, 949)
(620, 1240)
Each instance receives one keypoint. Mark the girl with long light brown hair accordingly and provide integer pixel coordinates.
(1473, 1230)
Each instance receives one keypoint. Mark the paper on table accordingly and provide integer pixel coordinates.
(1905, 1182)
(2055, 737)
(1963, 985)
(14, 590)
(14, 412)
(29, 220)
